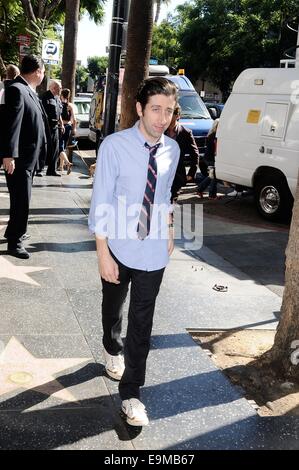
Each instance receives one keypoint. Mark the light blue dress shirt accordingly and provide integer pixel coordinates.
(118, 190)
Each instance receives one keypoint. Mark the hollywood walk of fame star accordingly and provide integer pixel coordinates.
(19, 369)
(18, 273)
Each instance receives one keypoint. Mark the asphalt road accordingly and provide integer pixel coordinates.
(234, 230)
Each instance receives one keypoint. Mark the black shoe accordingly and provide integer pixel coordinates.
(53, 174)
(19, 253)
(38, 173)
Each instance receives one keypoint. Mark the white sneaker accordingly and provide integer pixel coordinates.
(115, 365)
(135, 412)
(233, 193)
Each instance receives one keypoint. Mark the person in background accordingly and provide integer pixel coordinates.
(22, 140)
(185, 139)
(135, 170)
(12, 71)
(69, 123)
(52, 107)
(209, 160)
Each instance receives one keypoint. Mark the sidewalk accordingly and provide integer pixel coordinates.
(53, 390)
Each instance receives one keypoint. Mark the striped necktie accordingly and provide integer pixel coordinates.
(144, 223)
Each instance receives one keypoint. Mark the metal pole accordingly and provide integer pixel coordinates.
(119, 13)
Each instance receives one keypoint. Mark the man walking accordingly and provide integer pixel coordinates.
(21, 143)
(131, 217)
(53, 108)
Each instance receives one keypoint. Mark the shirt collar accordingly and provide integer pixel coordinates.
(141, 138)
(28, 84)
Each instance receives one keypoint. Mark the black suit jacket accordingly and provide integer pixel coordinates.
(53, 108)
(187, 146)
(23, 132)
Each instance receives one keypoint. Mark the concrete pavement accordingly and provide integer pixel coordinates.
(54, 393)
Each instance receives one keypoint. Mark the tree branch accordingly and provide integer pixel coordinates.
(48, 10)
(28, 9)
(41, 8)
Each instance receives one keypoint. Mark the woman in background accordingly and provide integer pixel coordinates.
(69, 122)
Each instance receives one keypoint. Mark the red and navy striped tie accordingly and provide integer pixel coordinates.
(144, 223)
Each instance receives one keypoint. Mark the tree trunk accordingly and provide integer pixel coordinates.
(139, 40)
(158, 10)
(70, 45)
(2, 66)
(281, 356)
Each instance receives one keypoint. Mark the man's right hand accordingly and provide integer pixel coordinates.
(9, 165)
(108, 268)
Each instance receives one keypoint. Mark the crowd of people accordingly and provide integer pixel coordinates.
(34, 133)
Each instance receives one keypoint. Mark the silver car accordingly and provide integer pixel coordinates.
(81, 111)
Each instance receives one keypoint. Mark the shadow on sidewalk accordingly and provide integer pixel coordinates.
(60, 425)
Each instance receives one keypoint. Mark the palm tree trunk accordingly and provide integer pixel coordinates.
(158, 10)
(286, 341)
(139, 41)
(70, 45)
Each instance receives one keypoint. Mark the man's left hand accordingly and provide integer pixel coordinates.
(9, 165)
(170, 241)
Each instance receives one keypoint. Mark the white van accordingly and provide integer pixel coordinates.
(258, 138)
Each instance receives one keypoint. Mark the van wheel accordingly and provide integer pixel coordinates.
(273, 198)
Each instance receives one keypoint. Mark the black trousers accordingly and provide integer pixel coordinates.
(19, 186)
(145, 287)
(54, 152)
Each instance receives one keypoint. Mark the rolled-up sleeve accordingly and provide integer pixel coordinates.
(107, 171)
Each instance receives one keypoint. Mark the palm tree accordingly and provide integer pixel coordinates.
(158, 8)
(70, 44)
(139, 41)
(283, 358)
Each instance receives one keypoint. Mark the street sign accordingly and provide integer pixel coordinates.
(50, 52)
(24, 39)
(24, 50)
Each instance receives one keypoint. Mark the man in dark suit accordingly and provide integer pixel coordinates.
(12, 71)
(187, 144)
(53, 108)
(21, 143)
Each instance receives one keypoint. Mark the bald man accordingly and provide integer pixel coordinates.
(12, 71)
(53, 108)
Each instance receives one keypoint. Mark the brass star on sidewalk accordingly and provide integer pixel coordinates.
(18, 273)
(20, 370)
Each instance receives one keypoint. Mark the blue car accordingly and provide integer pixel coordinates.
(194, 114)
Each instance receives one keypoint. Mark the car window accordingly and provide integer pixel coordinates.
(81, 107)
(192, 107)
